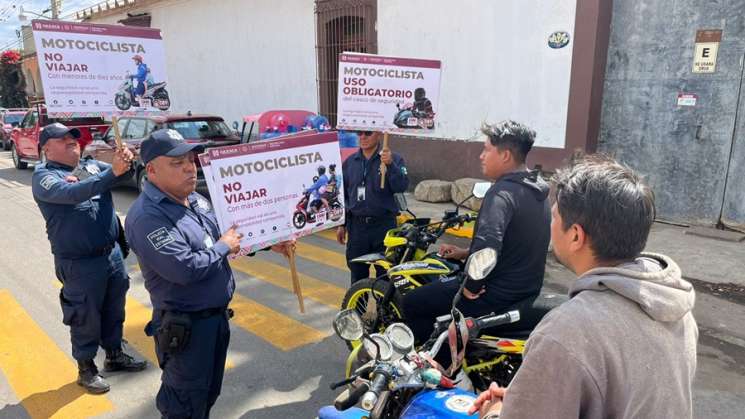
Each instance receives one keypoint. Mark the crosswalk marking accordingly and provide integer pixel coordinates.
(279, 276)
(41, 375)
(279, 330)
(327, 234)
(137, 315)
(323, 256)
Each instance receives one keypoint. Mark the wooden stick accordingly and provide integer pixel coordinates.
(117, 134)
(295, 280)
(383, 167)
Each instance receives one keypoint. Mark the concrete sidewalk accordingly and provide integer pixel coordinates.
(715, 264)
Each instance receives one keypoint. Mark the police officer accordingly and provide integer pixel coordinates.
(174, 233)
(371, 210)
(75, 199)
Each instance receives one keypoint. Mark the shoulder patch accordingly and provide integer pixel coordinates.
(160, 237)
(404, 170)
(48, 181)
(92, 169)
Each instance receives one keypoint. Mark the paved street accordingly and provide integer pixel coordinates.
(280, 361)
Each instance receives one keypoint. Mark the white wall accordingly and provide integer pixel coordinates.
(233, 58)
(495, 58)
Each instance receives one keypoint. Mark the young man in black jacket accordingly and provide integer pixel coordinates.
(514, 219)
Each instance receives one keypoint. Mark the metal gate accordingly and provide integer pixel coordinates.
(341, 26)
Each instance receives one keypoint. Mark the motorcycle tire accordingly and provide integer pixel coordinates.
(162, 99)
(357, 298)
(122, 102)
(299, 219)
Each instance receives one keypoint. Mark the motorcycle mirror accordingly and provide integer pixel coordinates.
(235, 125)
(481, 263)
(348, 325)
(480, 189)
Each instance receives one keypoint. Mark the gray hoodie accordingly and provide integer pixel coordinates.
(623, 346)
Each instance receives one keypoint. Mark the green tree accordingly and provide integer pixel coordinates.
(12, 81)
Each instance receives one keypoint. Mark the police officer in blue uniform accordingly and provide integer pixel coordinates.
(84, 231)
(174, 233)
(370, 210)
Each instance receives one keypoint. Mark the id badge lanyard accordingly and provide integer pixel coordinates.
(208, 241)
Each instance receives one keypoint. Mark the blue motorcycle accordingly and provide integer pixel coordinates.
(399, 382)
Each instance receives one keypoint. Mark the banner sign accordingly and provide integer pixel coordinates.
(387, 93)
(275, 190)
(104, 69)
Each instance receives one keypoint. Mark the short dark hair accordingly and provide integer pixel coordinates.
(516, 137)
(610, 201)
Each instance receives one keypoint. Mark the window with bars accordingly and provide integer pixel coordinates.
(341, 26)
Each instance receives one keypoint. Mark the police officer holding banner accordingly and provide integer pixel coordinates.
(84, 232)
(184, 260)
(371, 209)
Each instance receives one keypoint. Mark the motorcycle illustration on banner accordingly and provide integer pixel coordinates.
(321, 201)
(156, 95)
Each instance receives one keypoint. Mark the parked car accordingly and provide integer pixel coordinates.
(25, 147)
(208, 130)
(9, 119)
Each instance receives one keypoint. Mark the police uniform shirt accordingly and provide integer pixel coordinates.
(359, 172)
(184, 265)
(79, 216)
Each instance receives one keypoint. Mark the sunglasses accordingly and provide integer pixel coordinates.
(364, 133)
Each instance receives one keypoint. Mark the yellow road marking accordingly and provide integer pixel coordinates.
(137, 315)
(279, 276)
(279, 330)
(323, 256)
(327, 234)
(41, 375)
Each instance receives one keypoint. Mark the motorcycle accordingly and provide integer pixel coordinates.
(400, 382)
(302, 216)
(410, 117)
(125, 96)
(408, 264)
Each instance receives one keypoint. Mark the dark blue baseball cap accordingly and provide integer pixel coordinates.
(56, 130)
(166, 142)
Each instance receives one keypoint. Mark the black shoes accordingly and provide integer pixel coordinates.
(89, 379)
(117, 360)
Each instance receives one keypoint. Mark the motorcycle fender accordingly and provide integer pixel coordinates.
(369, 258)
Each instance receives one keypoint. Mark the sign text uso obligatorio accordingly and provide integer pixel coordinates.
(355, 80)
(233, 190)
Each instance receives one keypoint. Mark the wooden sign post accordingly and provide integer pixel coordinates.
(117, 134)
(294, 277)
(383, 167)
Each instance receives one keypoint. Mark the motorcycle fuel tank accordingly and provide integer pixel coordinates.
(453, 403)
(329, 412)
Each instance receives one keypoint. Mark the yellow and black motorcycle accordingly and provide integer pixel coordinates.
(407, 263)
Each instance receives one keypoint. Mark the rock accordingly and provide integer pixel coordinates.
(433, 191)
(462, 189)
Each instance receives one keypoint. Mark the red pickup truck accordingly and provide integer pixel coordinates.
(25, 137)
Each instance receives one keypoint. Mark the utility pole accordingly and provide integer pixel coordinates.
(55, 8)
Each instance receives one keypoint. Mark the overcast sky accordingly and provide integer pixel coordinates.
(9, 22)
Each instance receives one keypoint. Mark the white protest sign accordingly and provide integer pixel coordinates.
(269, 190)
(387, 93)
(88, 69)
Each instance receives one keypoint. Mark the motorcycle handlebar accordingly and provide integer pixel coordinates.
(492, 321)
(347, 398)
(379, 383)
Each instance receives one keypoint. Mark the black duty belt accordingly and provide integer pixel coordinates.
(210, 312)
(104, 251)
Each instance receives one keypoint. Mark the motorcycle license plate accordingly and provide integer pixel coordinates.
(412, 121)
(321, 217)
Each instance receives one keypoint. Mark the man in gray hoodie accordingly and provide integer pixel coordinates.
(624, 345)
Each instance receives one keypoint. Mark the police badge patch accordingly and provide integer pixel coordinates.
(160, 237)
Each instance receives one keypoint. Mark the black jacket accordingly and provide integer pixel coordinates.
(515, 220)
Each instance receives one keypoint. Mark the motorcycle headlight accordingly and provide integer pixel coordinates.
(401, 338)
(386, 349)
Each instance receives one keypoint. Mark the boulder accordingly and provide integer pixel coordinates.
(462, 189)
(433, 191)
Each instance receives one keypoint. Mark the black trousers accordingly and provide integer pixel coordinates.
(363, 238)
(192, 379)
(424, 304)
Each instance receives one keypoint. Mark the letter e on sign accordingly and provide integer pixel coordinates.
(705, 50)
